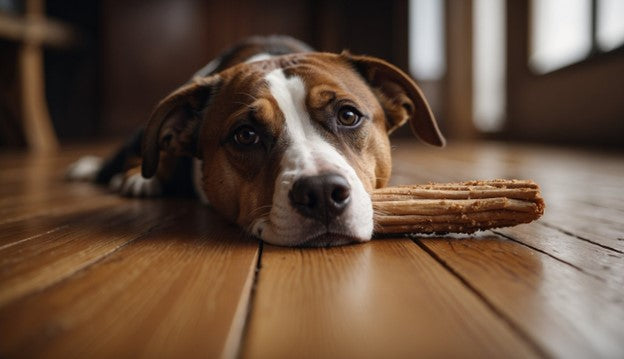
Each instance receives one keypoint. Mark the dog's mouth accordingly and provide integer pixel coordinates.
(317, 211)
(328, 239)
(307, 235)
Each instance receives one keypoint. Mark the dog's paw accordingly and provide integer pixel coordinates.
(137, 186)
(116, 182)
(85, 169)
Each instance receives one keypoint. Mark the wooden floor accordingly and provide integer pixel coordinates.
(84, 273)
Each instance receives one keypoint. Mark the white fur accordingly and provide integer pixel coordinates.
(308, 154)
(208, 69)
(137, 186)
(115, 182)
(85, 169)
(258, 57)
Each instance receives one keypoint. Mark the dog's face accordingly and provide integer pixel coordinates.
(293, 145)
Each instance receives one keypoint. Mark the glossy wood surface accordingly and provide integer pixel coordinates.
(84, 273)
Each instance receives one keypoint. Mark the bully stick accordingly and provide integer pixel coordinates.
(463, 207)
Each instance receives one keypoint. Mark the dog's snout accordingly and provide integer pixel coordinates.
(321, 197)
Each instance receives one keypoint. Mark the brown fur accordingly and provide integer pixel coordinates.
(198, 119)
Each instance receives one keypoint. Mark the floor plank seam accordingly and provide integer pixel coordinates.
(506, 319)
(552, 226)
(33, 237)
(90, 264)
(59, 211)
(600, 206)
(548, 254)
(252, 297)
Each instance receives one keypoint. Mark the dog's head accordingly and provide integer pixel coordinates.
(293, 145)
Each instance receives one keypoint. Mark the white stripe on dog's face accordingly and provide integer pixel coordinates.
(308, 154)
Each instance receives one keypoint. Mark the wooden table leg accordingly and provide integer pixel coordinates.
(38, 130)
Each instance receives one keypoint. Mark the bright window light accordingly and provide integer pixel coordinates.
(489, 64)
(610, 30)
(426, 39)
(560, 33)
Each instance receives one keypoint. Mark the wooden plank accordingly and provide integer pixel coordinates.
(613, 205)
(73, 214)
(569, 180)
(181, 290)
(54, 206)
(582, 172)
(51, 167)
(596, 230)
(32, 265)
(602, 263)
(34, 186)
(36, 200)
(565, 310)
(590, 211)
(386, 298)
(12, 160)
(91, 288)
(564, 176)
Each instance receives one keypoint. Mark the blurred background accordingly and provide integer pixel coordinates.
(548, 71)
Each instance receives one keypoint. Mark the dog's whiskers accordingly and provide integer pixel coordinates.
(261, 208)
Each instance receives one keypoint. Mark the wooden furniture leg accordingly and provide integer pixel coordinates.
(38, 130)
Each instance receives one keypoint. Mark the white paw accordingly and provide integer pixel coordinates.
(85, 169)
(115, 182)
(137, 186)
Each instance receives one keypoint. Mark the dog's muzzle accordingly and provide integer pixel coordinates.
(323, 197)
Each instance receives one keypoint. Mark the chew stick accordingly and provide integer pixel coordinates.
(463, 207)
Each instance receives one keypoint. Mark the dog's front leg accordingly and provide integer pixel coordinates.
(133, 184)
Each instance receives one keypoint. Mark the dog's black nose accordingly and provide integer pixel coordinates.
(322, 197)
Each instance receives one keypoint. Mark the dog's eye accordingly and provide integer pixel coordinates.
(246, 136)
(348, 116)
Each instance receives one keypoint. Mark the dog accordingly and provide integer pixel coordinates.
(286, 142)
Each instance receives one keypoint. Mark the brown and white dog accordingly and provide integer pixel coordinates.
(286, 142)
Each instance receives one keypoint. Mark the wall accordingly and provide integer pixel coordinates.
(581, 104)
(150, 48)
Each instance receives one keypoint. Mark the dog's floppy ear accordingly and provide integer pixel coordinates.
(399, 96)
(174, 123)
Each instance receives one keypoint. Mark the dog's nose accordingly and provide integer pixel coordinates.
(322, 197)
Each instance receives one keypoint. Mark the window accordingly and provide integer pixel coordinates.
(610, 27)
(489, 64)
(426, 39)
(560, 33)
(567, 31)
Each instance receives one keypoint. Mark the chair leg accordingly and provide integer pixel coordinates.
(38, 130)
